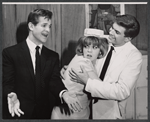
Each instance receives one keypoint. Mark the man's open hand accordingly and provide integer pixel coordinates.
(14, 105)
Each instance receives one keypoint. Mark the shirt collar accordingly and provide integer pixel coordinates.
(118, 49)
(32, 45)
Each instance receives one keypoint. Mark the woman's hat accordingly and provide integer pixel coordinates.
(94, 32)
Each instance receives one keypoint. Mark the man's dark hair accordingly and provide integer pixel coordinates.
(35, 14)
(130, 23)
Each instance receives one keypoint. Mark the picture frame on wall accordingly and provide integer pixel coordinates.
(100, 16)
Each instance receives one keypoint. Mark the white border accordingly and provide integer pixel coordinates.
(74, 2)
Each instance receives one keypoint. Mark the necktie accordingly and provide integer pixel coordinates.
(37, 73)
(103, 72)
(105, 66)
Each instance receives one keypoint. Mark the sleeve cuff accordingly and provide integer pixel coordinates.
(87, 88)
(60, 95)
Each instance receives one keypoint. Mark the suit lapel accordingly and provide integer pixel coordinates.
(27, 58)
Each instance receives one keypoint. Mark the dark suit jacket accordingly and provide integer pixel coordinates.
(18, 77)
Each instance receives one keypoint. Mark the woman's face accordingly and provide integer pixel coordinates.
(91, 52)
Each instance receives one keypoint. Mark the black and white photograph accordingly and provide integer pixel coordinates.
(74, 61)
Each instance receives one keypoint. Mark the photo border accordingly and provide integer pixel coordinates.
(1, 37)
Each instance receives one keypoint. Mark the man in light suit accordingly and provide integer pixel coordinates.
(122, 73)
(25, 100)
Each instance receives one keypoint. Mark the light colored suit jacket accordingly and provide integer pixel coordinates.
(118, 83)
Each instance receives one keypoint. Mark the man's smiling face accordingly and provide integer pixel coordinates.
(41, 31)
(116, 35)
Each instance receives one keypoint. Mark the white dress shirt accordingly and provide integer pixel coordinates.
(32, 50)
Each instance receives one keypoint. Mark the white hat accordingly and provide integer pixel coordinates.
(94, 32)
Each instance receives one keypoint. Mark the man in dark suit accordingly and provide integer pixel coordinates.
(29, 92)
